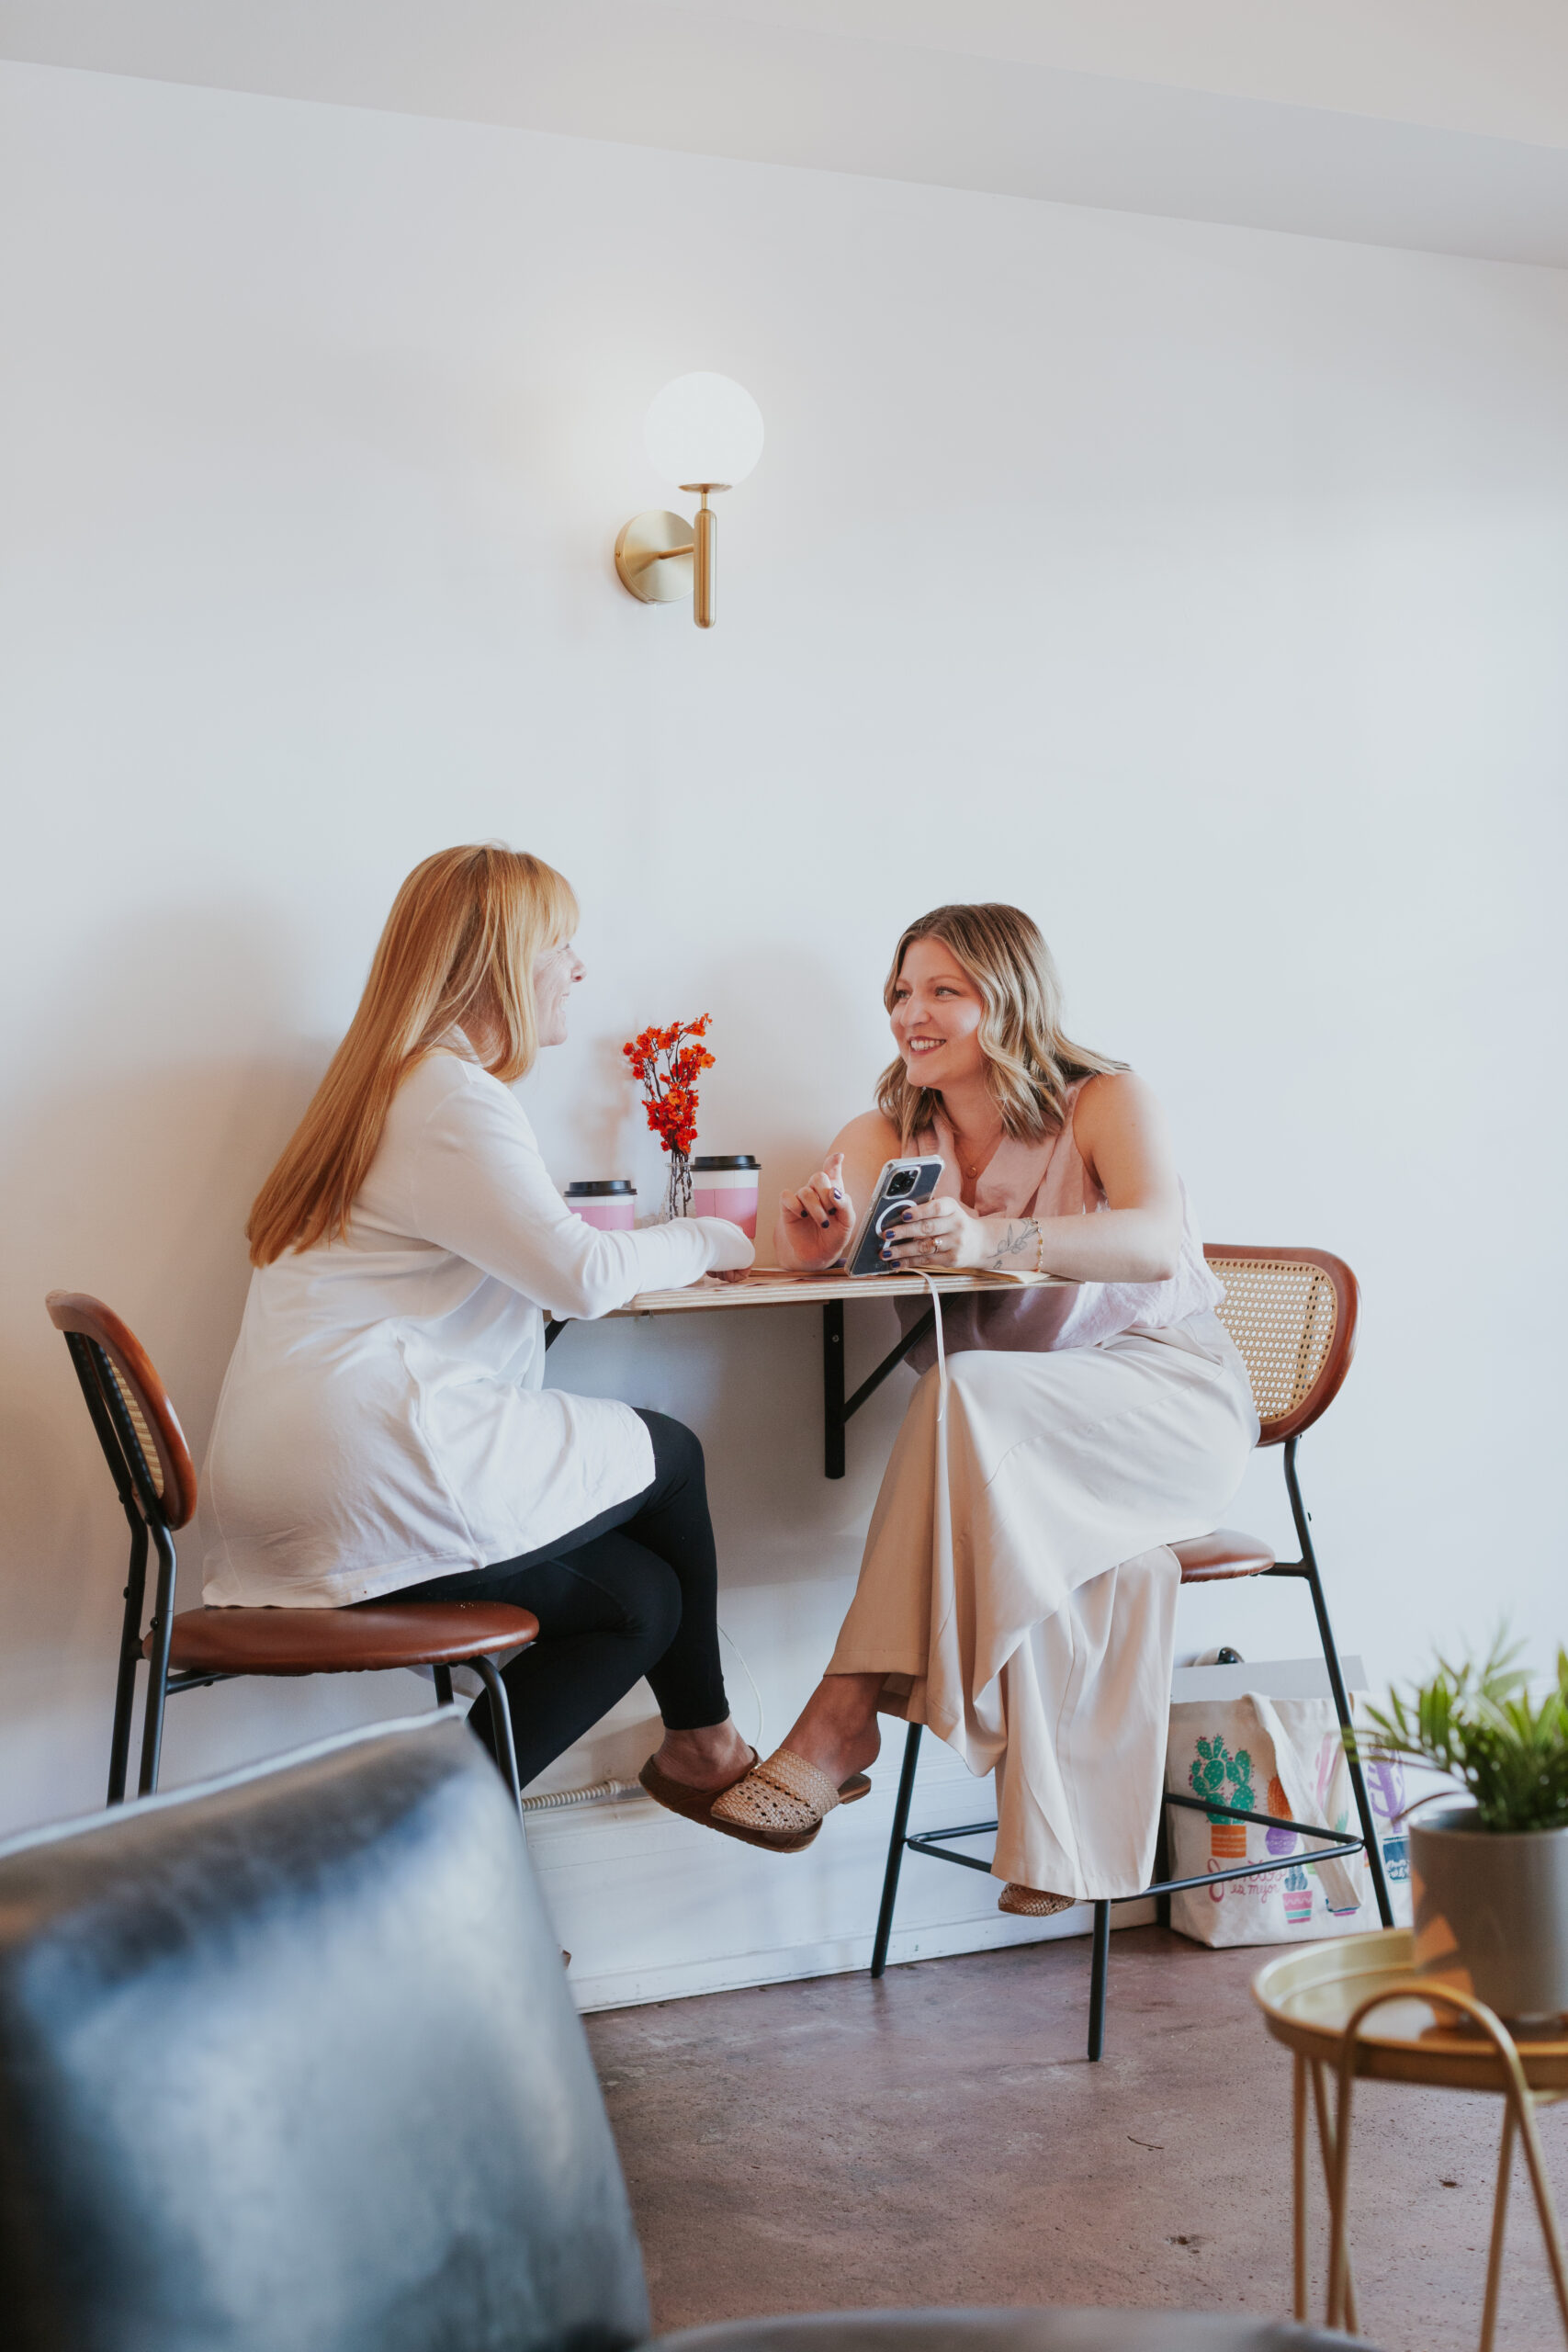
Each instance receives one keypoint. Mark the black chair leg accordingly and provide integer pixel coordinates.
(895, 1850)
(1099, 1972)
(158, 1664)
(130, 1654)
(1352, 1757)
(1336, 1685)
(442, 1685)
(500, 1726)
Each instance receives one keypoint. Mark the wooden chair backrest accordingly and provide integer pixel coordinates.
(1292, 1314)
(137, 1414)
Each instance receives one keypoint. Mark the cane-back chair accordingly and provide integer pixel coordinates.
(1292, 1314)
(154, 1477)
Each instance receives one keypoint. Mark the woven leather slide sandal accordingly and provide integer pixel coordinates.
(1033, 1902)
(783, 1803)
(678, 1796)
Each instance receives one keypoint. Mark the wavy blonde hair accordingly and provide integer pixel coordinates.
(1030, 1063)
(458, 950)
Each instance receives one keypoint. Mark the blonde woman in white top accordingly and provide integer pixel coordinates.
(1017, 1592)
(383, 1428)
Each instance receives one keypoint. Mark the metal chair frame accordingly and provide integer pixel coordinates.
(1289, 1428)
(149, 1519)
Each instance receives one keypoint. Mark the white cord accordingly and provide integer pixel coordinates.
(762, 1711)
(930, 1282)
(602, 1791)
(597, 1794)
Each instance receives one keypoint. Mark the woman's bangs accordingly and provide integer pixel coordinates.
(556, 902)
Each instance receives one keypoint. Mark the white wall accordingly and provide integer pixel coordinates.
(1204, 590)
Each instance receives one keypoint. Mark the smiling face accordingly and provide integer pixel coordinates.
(555, 974)
(936, 1015)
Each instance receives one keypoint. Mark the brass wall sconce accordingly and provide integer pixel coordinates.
(705, 433)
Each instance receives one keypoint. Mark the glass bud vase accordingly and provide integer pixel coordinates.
(678, 1191)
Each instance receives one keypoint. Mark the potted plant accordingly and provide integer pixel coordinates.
(1489, 1879)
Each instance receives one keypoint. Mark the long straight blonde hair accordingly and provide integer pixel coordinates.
(1030, 1062)
(458, 950)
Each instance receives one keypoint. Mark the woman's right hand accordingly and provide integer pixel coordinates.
(818, 1220)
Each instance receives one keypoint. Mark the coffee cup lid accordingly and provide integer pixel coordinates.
(725, 1159)
(600, 1188)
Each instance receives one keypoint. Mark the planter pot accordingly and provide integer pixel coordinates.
(1490, 1910)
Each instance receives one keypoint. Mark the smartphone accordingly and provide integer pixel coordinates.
(902, 1184)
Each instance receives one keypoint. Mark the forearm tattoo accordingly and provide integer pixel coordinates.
(1016, 1238)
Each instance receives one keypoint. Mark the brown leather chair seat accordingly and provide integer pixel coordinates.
(367, 1639)
(1206, 1559)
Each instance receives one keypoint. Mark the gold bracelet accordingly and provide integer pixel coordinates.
(1039, 1249)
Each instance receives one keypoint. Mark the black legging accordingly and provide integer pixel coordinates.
(634, 1592)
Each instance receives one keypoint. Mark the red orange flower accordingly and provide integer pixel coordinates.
(667, 1068)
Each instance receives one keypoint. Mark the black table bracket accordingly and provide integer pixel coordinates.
(838, 1409)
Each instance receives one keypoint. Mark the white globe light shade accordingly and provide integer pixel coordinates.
(704, 428)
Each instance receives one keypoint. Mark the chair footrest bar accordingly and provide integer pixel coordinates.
(1235, 1812)
(1242, 1869)
(929, 1842)
(926, 1845)
(1160, 1886)
(924, 1838)
(970, 1829)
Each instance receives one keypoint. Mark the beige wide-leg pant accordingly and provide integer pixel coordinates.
(1017, 1591)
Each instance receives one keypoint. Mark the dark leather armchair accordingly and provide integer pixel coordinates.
(288, 2063)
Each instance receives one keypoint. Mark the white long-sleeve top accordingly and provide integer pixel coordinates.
(383, 1419)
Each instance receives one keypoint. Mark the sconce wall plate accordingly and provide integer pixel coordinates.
(658, 568)
(699, 426)
(655, 557)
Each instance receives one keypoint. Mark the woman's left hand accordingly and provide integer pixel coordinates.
(939, 1233)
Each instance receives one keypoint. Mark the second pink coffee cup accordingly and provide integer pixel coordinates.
(725, 1184)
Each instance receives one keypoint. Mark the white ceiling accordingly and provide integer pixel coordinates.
(1438, 124)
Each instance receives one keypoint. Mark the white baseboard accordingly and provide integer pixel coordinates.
(654, 1908)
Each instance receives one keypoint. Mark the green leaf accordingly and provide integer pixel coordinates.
(1478, 1725)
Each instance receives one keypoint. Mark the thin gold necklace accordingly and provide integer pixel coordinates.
(975, 1172)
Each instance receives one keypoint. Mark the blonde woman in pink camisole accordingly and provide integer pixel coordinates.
(1017, 1592)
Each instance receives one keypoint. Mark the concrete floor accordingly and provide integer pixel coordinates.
(939, 2138)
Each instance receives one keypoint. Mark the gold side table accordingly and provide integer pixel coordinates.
(1357, 2005)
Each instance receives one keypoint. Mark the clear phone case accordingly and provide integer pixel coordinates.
(901, 1185)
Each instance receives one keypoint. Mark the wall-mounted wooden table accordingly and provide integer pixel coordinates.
(769, 1286)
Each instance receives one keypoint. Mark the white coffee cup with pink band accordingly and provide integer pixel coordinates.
(610, 1204)
(725, 1184)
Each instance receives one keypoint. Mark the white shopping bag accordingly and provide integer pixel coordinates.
(1283, 1757)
